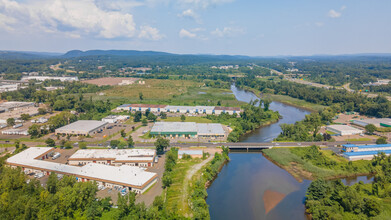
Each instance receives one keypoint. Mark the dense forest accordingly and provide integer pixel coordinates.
(334, 200)
(340, 99)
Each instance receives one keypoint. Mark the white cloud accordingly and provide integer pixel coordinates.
(319, 24)
(183, 33)
(227, 32)
(334, 14)
(149, 33)
(188, 13)
(203, 3)
(74, 17)
(343, 7)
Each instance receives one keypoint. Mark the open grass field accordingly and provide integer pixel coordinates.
(175, 192)
(295, 102)
(303, 163)
(171, 92)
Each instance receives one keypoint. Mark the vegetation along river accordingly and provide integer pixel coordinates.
(252, 187)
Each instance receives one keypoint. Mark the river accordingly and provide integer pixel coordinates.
(252, 187)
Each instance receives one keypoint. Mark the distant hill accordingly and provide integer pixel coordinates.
(26, 55)
(79, 53)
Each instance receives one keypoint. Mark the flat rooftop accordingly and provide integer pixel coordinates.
(185, 127)
(82, 126)
(190, 152)
(210, 128)
(343, 128)
(115, 154)
(127, 175)
(368, 146)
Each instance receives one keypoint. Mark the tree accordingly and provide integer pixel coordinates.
(114, 143)
(381, 140)
(183, 118)
(123, 134)
(151, 117)
(11, 121)
(17, 144)
(219, 103)
(266, 104)
(34, 131)
(83, 145)
(145, 122)
(130, 141)
(52, 183)
(41, 111)
(25, 117)
(141, 96)
(161, 145)
(68, 145)
(370, 128)
(50, 142)
(137, 116)
(163, 115)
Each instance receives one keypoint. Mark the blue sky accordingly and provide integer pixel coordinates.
(246, 27)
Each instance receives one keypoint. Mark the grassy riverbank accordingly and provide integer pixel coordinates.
(186, 194)
(312, 163)
(294, 102)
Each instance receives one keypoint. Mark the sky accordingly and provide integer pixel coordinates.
(235, 27)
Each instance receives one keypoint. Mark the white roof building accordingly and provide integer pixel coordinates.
(135, 178)
(82, 127)
(343, 130)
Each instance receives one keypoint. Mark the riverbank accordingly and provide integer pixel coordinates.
(312, 163)
(286, 100)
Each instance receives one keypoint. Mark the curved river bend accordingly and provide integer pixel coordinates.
(252, 187)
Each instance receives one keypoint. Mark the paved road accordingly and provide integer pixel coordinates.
(266, 144)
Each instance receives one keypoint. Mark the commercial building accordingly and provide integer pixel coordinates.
(82, 127)
(116, 157)
(43, 78)
(364, 152)
(343, 130)
(179, 109)
(191, 153)
(130, 178)
(115, 118)
(6, 87)
(40, 120)
(378, 122)
(11, 106)
(15, 132)
(188, 130)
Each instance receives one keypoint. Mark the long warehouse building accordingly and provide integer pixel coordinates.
(188, 130)
(116, 157)
(82, 127)
(131, 178)
(364, 152)
(209, 110)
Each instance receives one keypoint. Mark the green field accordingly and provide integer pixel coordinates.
(169, 92)
(308, 163)
(295, 102)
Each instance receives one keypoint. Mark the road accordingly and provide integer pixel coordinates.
(265, 144)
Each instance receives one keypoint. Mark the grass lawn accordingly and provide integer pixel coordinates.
(299, 162)
(296, 102)
(359, 139)
(174, 192)
(169, 92)
(188, 119)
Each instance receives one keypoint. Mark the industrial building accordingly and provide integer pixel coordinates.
(343, 130)
(130, 178)
(15, 132)
(43, 78)
(179, 109)
(115, 118)
(191, 153)
(378, 122)
(82, 127)
(364, 152)
(188, 130)
(11, 106)
(116, 157)
(8, 87)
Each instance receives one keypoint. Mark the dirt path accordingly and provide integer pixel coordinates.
(189, 175)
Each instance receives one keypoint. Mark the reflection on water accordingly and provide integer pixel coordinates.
(238, 191)
(289, 115)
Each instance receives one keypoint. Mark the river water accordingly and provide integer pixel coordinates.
(252, 187)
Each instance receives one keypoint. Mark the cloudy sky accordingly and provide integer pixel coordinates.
(246, 27)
